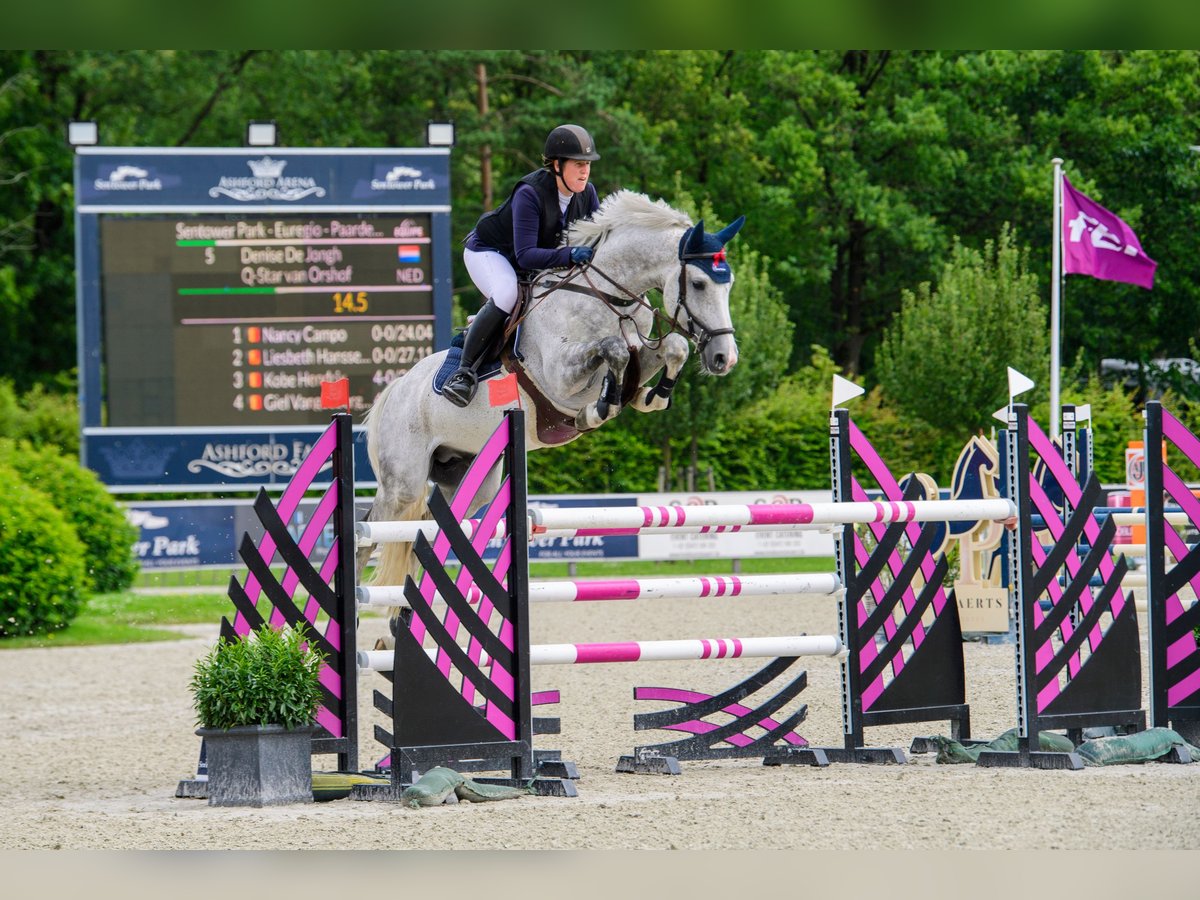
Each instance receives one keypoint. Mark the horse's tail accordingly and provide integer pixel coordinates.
(371, 423)
(396, 560)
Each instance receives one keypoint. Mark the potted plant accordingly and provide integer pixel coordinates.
(256, 700)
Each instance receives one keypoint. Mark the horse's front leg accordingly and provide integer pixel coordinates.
(608, 359)
(670, 355)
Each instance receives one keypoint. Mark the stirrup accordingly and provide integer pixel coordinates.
(461, 396)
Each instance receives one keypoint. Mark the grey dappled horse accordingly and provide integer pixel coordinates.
(581, 330)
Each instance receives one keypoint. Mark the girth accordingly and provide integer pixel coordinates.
(554, 426)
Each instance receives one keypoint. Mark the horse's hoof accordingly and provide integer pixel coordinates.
(587, 419)
(655, 401)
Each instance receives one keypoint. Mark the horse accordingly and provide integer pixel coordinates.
(586, 350)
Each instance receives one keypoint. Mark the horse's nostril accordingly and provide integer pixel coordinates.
(719, 362)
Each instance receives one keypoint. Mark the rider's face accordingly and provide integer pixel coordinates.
(574, 173)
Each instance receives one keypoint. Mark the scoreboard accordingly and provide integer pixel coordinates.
(214, 301)
(237, 321)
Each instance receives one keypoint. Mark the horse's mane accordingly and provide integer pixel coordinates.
(626, 209)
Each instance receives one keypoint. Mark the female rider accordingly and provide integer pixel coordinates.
(522, 234)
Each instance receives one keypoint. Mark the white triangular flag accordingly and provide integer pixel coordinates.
(1083, 413)
(1017, 383)
(1001, 414)
(844, 389)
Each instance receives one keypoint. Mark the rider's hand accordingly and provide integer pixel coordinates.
(581, 254)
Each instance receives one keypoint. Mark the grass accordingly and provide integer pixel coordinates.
(164, 579)
(140, 616)
(128, 617)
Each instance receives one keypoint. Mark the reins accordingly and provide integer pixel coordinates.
(693, 329)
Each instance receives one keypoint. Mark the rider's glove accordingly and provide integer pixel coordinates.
(581, 254)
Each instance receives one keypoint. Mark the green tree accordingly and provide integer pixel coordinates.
(781, 441)
(1123, 121)
(857, 170)
(944, 358)
(37, 296)
(1115, 422)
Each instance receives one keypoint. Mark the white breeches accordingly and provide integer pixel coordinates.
(494, 276)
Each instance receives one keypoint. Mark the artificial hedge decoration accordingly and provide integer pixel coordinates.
(268, 677)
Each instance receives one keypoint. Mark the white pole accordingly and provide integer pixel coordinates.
(404, 532)
(1055, 300)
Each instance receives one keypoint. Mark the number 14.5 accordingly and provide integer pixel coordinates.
(347, 302)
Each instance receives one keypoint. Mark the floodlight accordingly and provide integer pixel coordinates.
(439, 134)
(80, 134)
(261, 134)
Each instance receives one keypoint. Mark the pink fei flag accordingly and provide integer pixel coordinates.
(1097, 243)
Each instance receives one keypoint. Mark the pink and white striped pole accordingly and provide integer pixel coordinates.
(406, 531)
(602, 521)
(649, 651)
(696, 587)
(596, 520)
(700, 648)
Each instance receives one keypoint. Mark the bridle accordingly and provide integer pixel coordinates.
(693, 327)
(700, 333)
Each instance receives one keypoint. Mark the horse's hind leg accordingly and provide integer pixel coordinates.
(362, 557)
(396, 560)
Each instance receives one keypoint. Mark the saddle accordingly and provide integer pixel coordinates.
(554, 426)
(490, 362)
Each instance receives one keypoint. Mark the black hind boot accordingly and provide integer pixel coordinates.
(488, 322)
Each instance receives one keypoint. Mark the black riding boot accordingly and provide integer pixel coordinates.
(460, 386)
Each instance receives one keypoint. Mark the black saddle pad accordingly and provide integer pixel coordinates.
(450, 364)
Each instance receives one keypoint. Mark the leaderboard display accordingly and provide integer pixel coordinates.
(219, 288)
(214, 320)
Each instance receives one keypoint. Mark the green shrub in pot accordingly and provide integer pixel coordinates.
(269, 677)
(256, 700)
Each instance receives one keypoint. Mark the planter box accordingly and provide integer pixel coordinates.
(258, 765)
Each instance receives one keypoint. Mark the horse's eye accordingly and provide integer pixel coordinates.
(698, 284)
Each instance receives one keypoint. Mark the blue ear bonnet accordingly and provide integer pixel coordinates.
(707, 251)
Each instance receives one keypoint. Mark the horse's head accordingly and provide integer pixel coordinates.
(701, 298)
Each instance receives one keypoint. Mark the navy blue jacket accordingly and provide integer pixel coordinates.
(527, 227)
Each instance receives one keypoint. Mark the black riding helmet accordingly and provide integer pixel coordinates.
(570, 142)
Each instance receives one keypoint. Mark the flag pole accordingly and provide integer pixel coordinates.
(1055, 300)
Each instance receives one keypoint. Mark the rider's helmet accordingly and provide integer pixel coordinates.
(570, 142)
